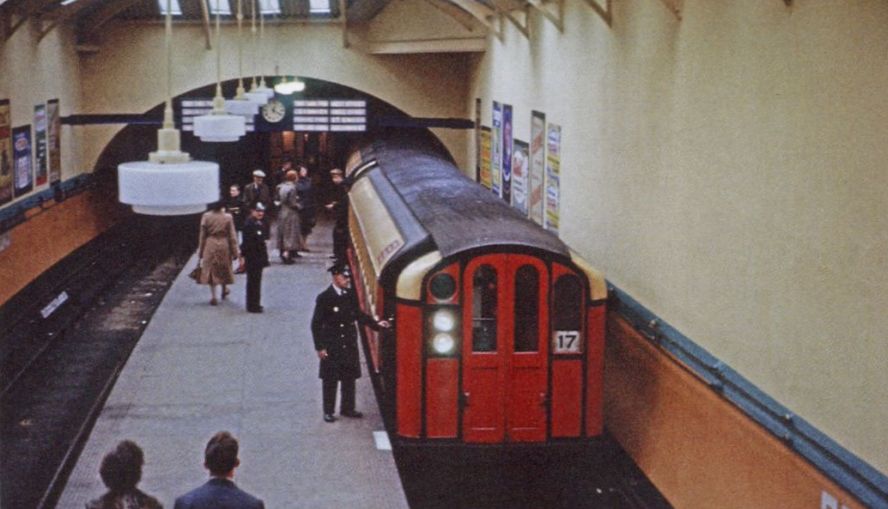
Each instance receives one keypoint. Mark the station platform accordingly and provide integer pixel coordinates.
(199, 369)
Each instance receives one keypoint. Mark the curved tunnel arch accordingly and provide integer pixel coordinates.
(237, 159)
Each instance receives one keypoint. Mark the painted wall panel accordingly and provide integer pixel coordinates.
(727, 170)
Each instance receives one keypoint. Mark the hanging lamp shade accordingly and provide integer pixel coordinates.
(220, 128)
(288, 87)
(169, 183)
(243, 107)
(260, 98)
(168, 189)
(262, 89)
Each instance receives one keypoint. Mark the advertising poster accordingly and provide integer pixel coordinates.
(5, 152)
(477, 139)
(507, 153)
(535, 201)
(54, 140)
(40, 161)
(520, 169)
(553, 174)
(496, 156)
(21, 152)
(484, 170)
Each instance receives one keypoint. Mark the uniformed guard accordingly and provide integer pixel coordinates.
(336, 341)
(255, 254)
(339, 208)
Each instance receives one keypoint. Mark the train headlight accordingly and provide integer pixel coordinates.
(443, 343)
(443, 321)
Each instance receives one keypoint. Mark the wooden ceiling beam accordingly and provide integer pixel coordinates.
(449, 8)
(552, 10)
(24, 11)
(485, 15)
(91, 24)
(605, 11)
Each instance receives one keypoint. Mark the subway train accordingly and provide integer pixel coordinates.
(498, 334)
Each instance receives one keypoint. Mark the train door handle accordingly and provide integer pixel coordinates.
(544, 399)
(464, 399)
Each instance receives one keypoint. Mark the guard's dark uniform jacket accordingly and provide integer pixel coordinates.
(255, 255)
(333, 329)
(253, 247)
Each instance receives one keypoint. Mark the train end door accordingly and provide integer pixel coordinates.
(505, 349)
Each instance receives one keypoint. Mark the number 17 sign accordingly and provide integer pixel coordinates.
(566, 342)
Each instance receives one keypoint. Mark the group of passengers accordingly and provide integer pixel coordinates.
(245, 218)
(121, 471)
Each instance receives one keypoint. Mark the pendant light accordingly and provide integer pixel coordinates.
(218, 126)
(169, 183)
(254, 94)
(241, 105)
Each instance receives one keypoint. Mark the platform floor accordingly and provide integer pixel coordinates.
(199, 369)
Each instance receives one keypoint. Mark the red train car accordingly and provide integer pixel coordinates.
(499, 326)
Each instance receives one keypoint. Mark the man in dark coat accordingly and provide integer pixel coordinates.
(336, 342)
(220, 492)
(257, 191)
(255, 254)
(339, 208)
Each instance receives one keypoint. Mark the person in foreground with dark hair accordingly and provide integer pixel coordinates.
(220, 492)
(121, 471)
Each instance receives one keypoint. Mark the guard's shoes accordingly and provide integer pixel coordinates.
(329, 418)
(354, 414)
(255, 310)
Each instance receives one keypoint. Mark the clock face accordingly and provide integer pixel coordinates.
(274, 111)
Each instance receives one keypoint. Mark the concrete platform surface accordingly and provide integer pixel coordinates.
(199, 369)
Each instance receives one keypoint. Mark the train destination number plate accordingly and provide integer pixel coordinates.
(566, 341)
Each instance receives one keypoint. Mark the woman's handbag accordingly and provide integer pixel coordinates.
(195, 274)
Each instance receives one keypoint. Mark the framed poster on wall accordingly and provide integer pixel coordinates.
(40, 146)
(6, 159)
(507, 153)
(553, 176)
(496, 155)
(24, 167)
(537, 166)
(54, 140)
(484, 162)
(520, 168)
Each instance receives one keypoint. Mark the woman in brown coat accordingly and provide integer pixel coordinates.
(216, 250)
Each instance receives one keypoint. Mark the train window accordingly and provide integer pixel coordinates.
(442, 286)
(527, 313)
(567, 316)
(484, 310)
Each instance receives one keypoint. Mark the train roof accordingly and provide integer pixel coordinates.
(453, 212)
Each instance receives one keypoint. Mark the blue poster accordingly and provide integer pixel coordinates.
(496, 158)
(507, 153)
(22, 161)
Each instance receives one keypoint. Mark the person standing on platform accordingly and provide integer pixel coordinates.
(289, 237)
(257, 191)
(234, 205)
(121, 471)
(255, 254)
(308, 205)
(281, 173)
(336, 342)
(217, 248)
(339, 207)
(220, 492)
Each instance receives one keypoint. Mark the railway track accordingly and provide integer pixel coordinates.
(58, 371)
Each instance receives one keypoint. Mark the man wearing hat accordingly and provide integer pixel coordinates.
(339, 207)
(336, 342)
(258, 191)
(255, 254)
